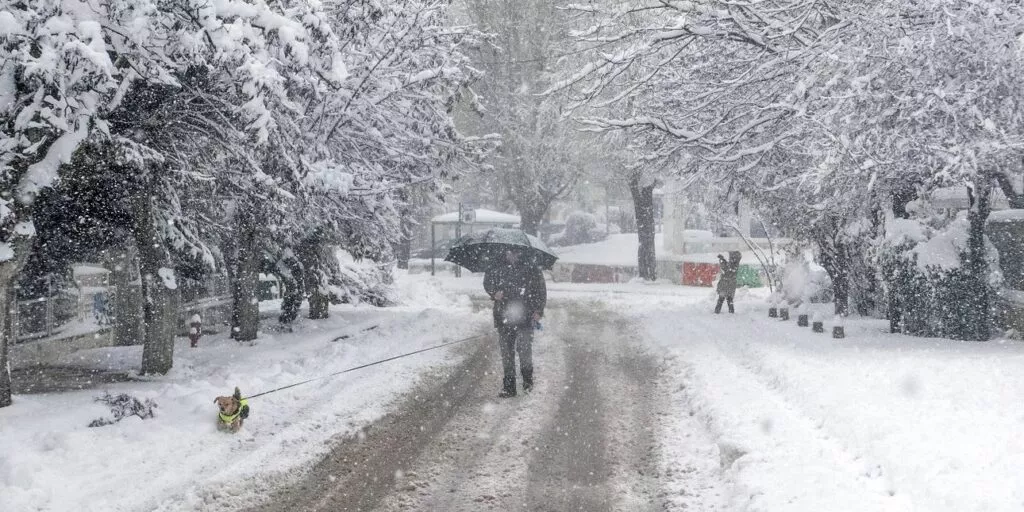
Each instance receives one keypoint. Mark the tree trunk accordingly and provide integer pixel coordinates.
(10, 270)
(159, 291)
(8, 303)
(976, 326)
(643, 205)
(127, 299)
(404, 246)
(312, 255)
(1015, 200)
(530, 218)
(245, 309)
(866, 290)
(837, 264)
(901, 198)
(294, 289)
(319, 305)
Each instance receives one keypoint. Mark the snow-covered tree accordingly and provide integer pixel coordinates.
(386, 131)
(541, 157)
(697, 87)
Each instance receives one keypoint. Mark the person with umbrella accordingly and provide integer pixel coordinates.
(512, 261)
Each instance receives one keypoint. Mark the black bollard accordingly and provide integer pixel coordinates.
(773, 312)
(838, 332)
(818, 326)
(802, 320)
(784, 313)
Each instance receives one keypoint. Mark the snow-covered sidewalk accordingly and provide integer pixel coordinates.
(874, 422)
(50, 460)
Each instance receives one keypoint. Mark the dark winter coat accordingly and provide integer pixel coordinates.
(524, 293)
(727, 278)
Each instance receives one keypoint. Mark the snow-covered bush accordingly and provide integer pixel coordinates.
(929, 290)
(580, 228)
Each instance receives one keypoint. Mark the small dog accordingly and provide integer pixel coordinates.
(233, 411)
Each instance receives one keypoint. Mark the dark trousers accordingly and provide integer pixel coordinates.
(723, 298)
(512, 340)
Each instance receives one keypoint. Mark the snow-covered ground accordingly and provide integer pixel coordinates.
(797, 421)
(50, 460)
(873, 422)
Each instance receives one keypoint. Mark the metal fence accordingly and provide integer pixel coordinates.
(87, 308)
(47, 316)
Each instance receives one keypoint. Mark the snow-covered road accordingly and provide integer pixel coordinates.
(589, 437)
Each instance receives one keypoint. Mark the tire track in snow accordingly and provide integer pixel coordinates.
(570, 470)
(362, 469)
(480, 462)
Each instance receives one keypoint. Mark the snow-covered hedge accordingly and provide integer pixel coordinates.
(927, 285)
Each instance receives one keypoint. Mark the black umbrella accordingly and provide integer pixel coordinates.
(477, 252)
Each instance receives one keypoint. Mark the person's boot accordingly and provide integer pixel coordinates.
(508, 388)
(527, 381)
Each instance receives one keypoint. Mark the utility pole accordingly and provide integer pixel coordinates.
(607, 211)
(458, 235)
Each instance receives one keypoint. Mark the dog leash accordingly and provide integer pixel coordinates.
(367, 365)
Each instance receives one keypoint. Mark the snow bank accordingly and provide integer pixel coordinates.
(50, 460)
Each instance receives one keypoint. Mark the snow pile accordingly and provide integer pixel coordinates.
(177, 460)
(424, 290)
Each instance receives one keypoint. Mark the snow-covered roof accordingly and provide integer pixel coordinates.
(1007, 216)
(955, 198)
(483, 216)
(86, 269)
